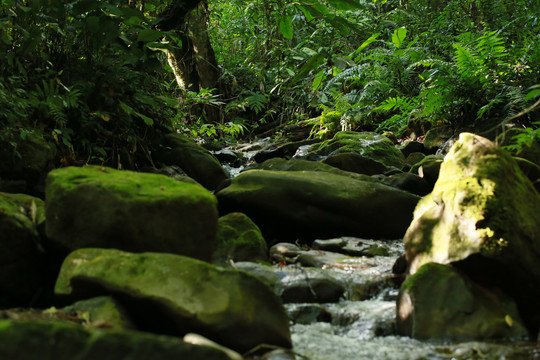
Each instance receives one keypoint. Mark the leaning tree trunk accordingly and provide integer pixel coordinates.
(194, 63)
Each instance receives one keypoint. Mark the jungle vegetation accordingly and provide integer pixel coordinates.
(98, 79)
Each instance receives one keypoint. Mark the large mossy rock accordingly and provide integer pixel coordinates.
(196, 161)
(438, 302)
(31, 340)
(21, 257)
(35, 159)
(278, 164)
(311, 204)
(370, 145)
(239, 239)
(482, 216)
(177, 295)
(100, 207)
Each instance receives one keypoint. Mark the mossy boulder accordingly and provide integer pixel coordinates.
(35, 159)
(177, 295)
(239, 239)
(22, 261)
(438, 302)
(482, 216)
(371, 145)
(196, 161)
(30, 340)
(101, 311)
(101, 207)
(312, 204)
(278, 164)
(355, 163)
(428, 168)
(436, 137)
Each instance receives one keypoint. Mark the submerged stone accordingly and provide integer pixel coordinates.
(101, 207)
(177, 295)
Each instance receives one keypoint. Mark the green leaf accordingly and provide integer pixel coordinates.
(285, 26)
(345, 4)
(147, 35)
(307, 14)
(311, 64)
(399, 37)
(365, 44)
(535, 92)
(148, 121)
(318, 80)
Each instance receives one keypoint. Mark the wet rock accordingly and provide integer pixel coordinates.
(101, 207)
(279, 354)
(294, 284)
(355, 163)
(438, 302)
(278, 164)
(308, 205)
(29, 340)
(35, 159)
(22, 260)
(174, 294)
(414, 158)
(101, 312)
(409, 182)
(282, 151)
(411, 147)
(239, 239)
(352, 246)
(370, 145)
(196, 161)
(230, 157)
(309, 313)
(199, 340)
(482, 218)
(428, 168)
(284, 252)
(436, 137)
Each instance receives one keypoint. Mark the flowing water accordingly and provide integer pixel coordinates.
(357, 327)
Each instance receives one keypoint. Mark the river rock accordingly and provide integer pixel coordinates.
(100, 207)
(428, 168)
(436, 137)
(409, 182)
(309, 205)
(21, 256)
(482, 217)
(438, 302)
(278, 164)
(355, 163)
(30, 340)
(102, 312)
(371, 145)
(410, 147)
(196, 161)
(35, 158)
(175, 294)
(239, 239)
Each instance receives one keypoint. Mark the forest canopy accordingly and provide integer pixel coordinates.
(99, 79)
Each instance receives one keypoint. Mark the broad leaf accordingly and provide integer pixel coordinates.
(318, 80)
(345, 4)
(399, 37)
(311, 64)
(149, 35)
(285, 26)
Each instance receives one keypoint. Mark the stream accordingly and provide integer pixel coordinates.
(364, 327)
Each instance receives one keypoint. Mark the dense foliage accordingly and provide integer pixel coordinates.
(92, 76)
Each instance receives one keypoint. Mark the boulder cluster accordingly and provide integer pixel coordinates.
(143, 259)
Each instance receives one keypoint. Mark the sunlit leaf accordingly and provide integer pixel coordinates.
(399, 37)
(318, 80)
(149, 35)
(345, 4)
